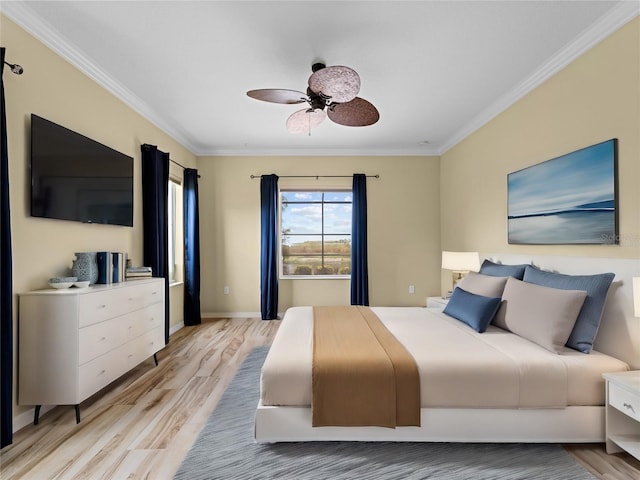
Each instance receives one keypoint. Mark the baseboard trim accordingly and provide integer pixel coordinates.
(174, 328)
(235, 315)
(26, 418)
(231, 314)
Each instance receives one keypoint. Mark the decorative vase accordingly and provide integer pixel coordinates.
(85, 267)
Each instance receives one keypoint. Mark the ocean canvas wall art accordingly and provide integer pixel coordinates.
(571, 199)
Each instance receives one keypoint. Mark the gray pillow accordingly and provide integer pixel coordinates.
(597, 286)
(542, 315)
(484, 285)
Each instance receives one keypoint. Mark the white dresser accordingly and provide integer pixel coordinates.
(74, 342)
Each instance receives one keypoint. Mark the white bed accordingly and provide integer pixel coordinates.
(518, 392)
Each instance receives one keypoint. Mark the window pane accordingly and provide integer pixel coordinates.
(338, 197)
(337, 218)
(302, 218)
(316, 233)
(301, 196)
(171, 247)
(302, 245)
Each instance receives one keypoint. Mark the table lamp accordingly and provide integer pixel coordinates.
(460, 263)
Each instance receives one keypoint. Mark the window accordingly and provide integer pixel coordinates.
(175, 227)
(315, 233)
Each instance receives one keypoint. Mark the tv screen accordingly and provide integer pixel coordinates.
(76, 178)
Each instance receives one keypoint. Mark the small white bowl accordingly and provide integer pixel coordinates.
(62, 282)
(83, 284)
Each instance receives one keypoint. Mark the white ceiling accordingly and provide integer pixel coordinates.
(436, 70)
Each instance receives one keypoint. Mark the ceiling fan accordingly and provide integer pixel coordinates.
(331, 92)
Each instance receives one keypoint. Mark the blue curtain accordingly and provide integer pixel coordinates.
(191, 248)
(359, 266)
(155, 218)
(6, 285)
(269, 247)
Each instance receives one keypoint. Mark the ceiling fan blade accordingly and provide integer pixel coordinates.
(356, 113)
(339, 83)
(275, 95)
(304, 120)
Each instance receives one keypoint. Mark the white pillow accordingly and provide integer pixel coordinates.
(540, 314)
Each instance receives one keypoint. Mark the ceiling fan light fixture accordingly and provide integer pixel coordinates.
(304, 120)
(339, 83)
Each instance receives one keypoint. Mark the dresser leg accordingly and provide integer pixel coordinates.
(77, 413)
(36, 414)
(155, 359)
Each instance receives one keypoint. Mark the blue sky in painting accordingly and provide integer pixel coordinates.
(580, 177)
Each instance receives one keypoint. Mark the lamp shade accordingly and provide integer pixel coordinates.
(461, 261)
(636, 296)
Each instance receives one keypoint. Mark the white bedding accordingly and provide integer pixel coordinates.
(459, 368)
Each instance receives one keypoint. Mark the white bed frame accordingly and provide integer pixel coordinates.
(582, 424)
(566, 425)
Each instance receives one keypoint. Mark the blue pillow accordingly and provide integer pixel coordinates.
(474, 310)
(586, 326)
(499, 270)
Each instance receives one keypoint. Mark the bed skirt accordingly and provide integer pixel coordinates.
(583, 424)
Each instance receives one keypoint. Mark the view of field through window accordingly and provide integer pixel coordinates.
(315, 232)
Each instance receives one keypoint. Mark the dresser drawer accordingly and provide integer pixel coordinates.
(98, 339)
(140, 296)
(137, 323)
(141, 348)
(99, 372)
(625, 401)
(96, 307)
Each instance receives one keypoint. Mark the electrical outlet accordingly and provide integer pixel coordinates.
(412, 289)
(226, 290)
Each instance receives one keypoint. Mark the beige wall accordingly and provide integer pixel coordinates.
(52, 88)
(404, 238)
(595, 98)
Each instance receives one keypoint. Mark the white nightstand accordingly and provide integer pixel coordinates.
(623, 412)
(437, 302)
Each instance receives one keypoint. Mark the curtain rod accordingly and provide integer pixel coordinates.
(316, 176)
(181, 166)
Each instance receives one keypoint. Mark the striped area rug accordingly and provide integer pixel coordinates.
(225, 449)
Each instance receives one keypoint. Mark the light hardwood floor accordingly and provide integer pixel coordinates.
(142, 425)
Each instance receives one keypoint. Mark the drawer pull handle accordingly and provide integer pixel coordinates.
(103, 339)
(130, 355)
(102, 372)
(153, 293)
(102, 306)
(628, 406)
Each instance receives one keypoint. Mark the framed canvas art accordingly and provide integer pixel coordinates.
(571, 199)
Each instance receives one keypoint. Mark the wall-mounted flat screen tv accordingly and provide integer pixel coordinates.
(78, 179)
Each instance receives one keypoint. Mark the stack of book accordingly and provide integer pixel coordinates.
(134, 273)
(111, 267)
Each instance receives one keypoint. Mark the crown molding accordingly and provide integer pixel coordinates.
(605, 26)
(22, 15)
(322, 152)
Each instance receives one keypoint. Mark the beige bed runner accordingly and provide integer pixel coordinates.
(362, 376)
